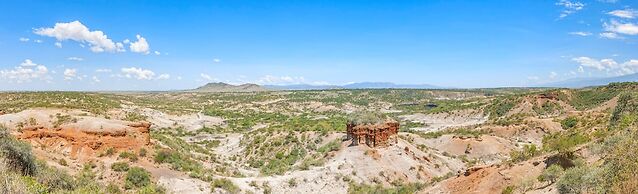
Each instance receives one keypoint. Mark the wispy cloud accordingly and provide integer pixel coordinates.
(610, 35)
(569, 7)
(621, 28)
(75, 59)
(625, 13)
(581, 33)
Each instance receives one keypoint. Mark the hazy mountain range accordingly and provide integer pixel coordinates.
(585, 82)
(224, 87)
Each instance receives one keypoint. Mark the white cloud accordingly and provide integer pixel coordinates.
(28, 63)
(103, 70)
(581, 33)
(217, 60)
(179, 78)
(25, 72)
(95, 79)
(22, 39)
(621, 28)
(533, 78)
(164, 76)
(157, 53)
(138, 73)
(592, 63)
(610, 35)
(37, 41)
(206, 77)
(626, 13)
(75, 59)
(76, 31)
(607, 65)
(569, 7)
(58, 44)
(69, 74)
(141, 46)
(278, 80)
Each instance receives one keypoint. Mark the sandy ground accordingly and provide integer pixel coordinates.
(358, 164)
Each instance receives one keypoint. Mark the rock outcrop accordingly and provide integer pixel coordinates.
(74, 134)
(373, 135)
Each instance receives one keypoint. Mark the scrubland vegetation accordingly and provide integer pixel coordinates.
(267, 134)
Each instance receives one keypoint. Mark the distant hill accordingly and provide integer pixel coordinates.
(302, 87)
(360, 85)
(586, 82)
(224, 87)
(381, 85)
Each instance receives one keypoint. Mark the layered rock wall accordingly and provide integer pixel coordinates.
(373, 135)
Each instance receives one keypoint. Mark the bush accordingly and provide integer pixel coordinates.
(551, 174)
(137, 177)
(563, 142)
(108, 152)
(225, 184)
(580, 179)
(54, 179)
(152, 189)
(569, 122)
(528, 152)
(120, 166)
(131, 156)
(113, 189)
(17, 155)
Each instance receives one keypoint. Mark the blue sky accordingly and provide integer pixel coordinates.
(161, 45)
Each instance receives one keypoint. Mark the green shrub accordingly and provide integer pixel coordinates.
(133, 116)
(580, 179)
(54, 179)
(151, 189)
(551, 174)
(508, 190)
(11, 182)
(569, 122)
(120, 166)
(397, 189)
(563, 141)
(113, 189)
(137, 177)
(108, 152)
(17, 155)
(129, 155)
(528, 152)
(225, 184)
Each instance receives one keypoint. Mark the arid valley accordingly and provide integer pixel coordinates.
(449, 141)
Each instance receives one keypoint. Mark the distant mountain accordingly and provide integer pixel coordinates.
(360, 85)
(382, 85)
(302, 87)
(224, 87)
(585, 82)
